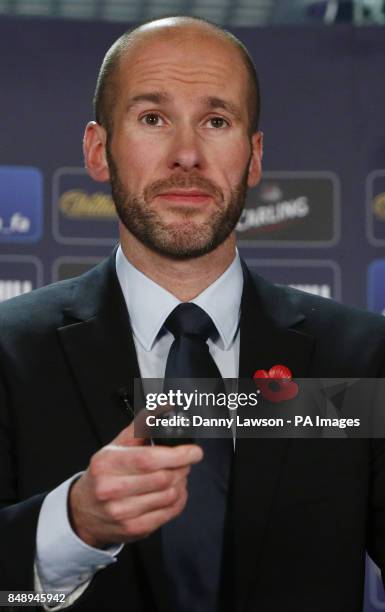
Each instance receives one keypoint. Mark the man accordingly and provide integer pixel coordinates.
(91, 511)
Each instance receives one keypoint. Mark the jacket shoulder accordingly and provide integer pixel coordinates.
(41, 306)
(284, 303)
(52, 305)
(323, 312)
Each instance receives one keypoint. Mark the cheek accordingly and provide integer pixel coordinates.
(129, 146)
(136, 163)
(233, 156)
(234, 171)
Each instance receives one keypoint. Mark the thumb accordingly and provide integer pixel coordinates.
(139, 426)
(127, 436)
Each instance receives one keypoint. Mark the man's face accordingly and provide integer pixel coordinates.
(179, 154)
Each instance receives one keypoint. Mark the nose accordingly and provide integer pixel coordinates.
(185, 150)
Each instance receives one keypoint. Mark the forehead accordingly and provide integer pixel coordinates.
(191, 60)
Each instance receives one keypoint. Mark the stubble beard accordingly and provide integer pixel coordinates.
(186, 238)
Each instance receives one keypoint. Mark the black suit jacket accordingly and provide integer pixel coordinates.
(301, 512)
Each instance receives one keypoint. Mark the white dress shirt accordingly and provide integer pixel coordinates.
(63, 561)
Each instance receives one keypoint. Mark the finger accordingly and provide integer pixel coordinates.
(148, 523)
(147, 459)
(129, 435)
(118, 487)
(133, 507)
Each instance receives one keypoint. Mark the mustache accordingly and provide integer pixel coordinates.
(182, 182)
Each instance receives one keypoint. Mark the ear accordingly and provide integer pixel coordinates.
(94, 149)
(255, 165)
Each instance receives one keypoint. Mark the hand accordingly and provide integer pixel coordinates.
(130, 489)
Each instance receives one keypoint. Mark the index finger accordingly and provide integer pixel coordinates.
(154, 458)
(148, 459)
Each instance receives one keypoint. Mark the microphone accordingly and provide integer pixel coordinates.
(124, 396)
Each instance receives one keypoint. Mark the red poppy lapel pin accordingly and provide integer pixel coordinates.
(276, 385)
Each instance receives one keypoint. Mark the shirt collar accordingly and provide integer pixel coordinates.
(149, 304)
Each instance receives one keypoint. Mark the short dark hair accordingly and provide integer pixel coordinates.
(106, 86)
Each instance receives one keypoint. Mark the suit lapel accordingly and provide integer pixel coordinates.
(100, 351)
(267, 338)
(267, 330)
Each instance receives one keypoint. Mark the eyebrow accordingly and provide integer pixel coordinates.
(156, 97)
(212, 102)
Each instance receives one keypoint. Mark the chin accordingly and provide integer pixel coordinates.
(178, 245)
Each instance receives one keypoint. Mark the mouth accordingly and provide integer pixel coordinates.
(187, 196)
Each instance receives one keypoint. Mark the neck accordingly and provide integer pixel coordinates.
(183, 278)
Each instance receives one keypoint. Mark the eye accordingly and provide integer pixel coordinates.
(218, 122)
(151, 119)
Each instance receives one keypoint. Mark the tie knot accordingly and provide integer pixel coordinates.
(188, 318)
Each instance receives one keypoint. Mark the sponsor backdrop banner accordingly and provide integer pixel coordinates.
(317, 219)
